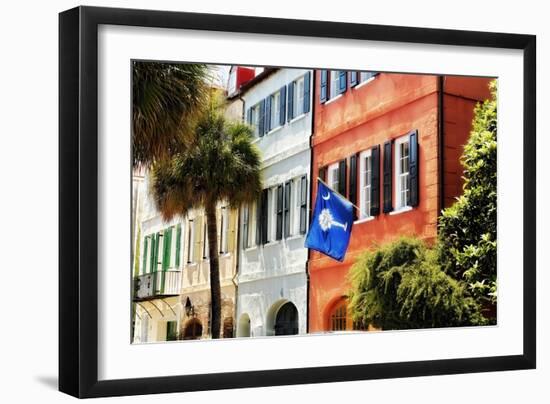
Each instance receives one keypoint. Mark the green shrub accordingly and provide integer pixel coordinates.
(401, 286)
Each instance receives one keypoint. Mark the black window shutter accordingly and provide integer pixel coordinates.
(249, 116)
(279, 208)
(375, 181)
(353, 79)
(290, 102)
(324, 85)
(287, 199)
(264, 208)
(282, 106)
(353, 182)
(323, 173)
(307, 84)
(261, 128)
(413, 169)
(388, 176)
(343, 82)
(259, 220)
(303, 204)
(342, 177)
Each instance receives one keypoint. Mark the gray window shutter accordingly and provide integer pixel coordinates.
(307, 85)
(343, 82)
(282, 106)
(287, 202)
(261, 128)
(413, 169)
(324, 86)
(267, 114)
(290, 102)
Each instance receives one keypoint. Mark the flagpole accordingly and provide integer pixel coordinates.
(338, 193)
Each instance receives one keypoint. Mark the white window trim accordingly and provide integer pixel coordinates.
(363, 214)
(278, 128)
(397, 187)
(401, 210)
(296, 96)
(298, 118)
(364, 83)
(331, 100)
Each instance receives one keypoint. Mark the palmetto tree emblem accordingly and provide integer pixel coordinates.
(326, 221)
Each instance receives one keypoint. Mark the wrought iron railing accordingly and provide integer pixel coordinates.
(157, 284)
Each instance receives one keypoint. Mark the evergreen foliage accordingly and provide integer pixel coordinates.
(401, 286)
(468, 229)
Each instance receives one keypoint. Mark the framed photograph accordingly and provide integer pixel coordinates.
(251, 201)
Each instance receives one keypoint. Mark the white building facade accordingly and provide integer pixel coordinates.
(272, 272)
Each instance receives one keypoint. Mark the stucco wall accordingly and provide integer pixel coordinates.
(274, 273)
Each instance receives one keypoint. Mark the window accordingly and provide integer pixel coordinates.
(191, 242)
(275, 110)
(365, 183)
(254, 119)
(205, 247)
(146, 242)
(303, 204)
(287, 205)
(338, 317)
(159, 251)
(334, 83)
(298, 97)
(333, 177)
(224, 224)
(402, 177)
(246, 216)
(171, 330)
(364, 76)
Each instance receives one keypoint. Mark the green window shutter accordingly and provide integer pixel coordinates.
(167, 246)
(145, 245)
(178, 245)
(152, 255)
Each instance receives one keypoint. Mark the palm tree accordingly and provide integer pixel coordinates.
(221, 164)
(166, 98)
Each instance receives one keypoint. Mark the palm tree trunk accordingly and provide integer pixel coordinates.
(215, 289)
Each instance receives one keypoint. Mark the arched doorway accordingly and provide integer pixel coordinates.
(286, 322)
(193, 329)
(243, 328)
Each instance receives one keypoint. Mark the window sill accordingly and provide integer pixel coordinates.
(191, 264)
(364, 219)
(297, 118)
(224, 254)
(278, 128)
(294, 237)
(248, 249)
(333, 99)
(401, 210)
(364, 83)
(272, 243)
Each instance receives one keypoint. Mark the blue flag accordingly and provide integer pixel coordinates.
(331, 224)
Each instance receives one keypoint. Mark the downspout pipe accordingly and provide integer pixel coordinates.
(311, 176)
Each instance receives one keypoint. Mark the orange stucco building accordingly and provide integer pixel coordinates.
(390, 143)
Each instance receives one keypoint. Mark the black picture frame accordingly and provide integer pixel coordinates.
(78, 201)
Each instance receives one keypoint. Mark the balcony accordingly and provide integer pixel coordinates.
(157, 285)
